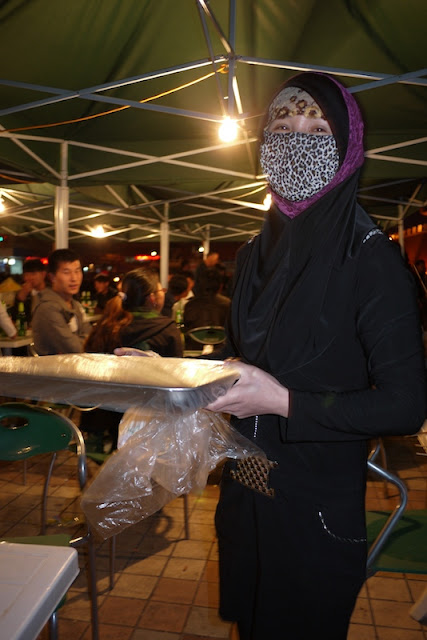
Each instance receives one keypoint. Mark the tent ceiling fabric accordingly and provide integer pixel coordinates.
(140, 87)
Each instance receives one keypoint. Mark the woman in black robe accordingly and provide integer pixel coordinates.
(326, 331)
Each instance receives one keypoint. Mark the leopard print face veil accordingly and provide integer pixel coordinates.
(297, 165)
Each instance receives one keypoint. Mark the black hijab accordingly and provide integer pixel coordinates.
(295, 278)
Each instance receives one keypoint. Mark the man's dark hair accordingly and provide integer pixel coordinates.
(33, 265)
(59, 256)
(178, 284)
(187, 274)
(101, 277)
(210, 283)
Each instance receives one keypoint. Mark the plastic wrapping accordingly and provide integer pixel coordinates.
(158, 384)
(160, 457)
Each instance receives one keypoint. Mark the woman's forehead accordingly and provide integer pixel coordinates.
(293, 101)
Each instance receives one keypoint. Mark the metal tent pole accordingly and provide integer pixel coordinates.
(164, 248)
(62, 202)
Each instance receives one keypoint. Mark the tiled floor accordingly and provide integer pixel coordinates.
(166, 586)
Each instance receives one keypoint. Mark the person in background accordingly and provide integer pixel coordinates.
(102, 425)
(210, 261)
(34, 281)
(104, 291)
(179, 287)
(324, 331)
(168, 299)
(208, 307)
(58, 322)
(131, 320)
(144, 298)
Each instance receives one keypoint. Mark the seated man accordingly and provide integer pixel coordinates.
(58, 319)
(207, 308)
(104, 291)
(34, 276)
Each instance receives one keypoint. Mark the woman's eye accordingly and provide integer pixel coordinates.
(322, 130)
(280, 127)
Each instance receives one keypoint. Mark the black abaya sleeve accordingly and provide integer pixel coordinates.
(388, 327)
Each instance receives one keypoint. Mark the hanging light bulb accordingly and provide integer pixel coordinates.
(267, 201)
(227, 131)
(98, 232)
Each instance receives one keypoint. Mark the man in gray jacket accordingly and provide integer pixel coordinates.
(58, 322)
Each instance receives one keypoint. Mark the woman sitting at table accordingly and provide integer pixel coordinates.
(131, 320)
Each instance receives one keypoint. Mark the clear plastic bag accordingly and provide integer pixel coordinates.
(160, 457)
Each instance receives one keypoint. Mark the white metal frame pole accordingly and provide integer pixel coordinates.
(207, 241)
(164, 248)
(62, 195)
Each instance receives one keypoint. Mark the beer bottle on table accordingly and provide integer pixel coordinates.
(21, 320)
(179, 319)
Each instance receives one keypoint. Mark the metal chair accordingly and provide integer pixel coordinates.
(29, 430)
(207, 335)
(396, 539)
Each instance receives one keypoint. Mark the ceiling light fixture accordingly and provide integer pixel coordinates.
(267, 201)
(228, 129)
(98, 232)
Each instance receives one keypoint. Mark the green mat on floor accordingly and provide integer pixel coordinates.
(406, 549)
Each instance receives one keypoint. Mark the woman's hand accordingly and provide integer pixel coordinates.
(255, 393)
(130, 351)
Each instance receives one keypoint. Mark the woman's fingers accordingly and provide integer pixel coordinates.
(130, 351)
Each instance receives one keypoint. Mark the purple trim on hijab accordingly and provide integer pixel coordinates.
(354, 157)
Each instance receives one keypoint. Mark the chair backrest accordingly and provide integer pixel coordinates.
(393, 518)
(207, 335)
(29, 430)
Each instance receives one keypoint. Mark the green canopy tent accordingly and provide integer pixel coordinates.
(110, 109)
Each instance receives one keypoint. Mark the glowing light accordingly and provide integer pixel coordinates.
(145, 257)
(200, 249)
(227, 131)
(116, 279)
(154, 253)
(2, 207)
(267, 201)
(98, 232)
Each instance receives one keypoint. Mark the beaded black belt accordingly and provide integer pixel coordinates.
(253, 473)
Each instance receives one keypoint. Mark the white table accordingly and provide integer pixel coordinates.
(33, 580)
(7, 344)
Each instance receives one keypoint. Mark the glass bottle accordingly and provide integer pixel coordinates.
(179, 319)
(21, 320)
